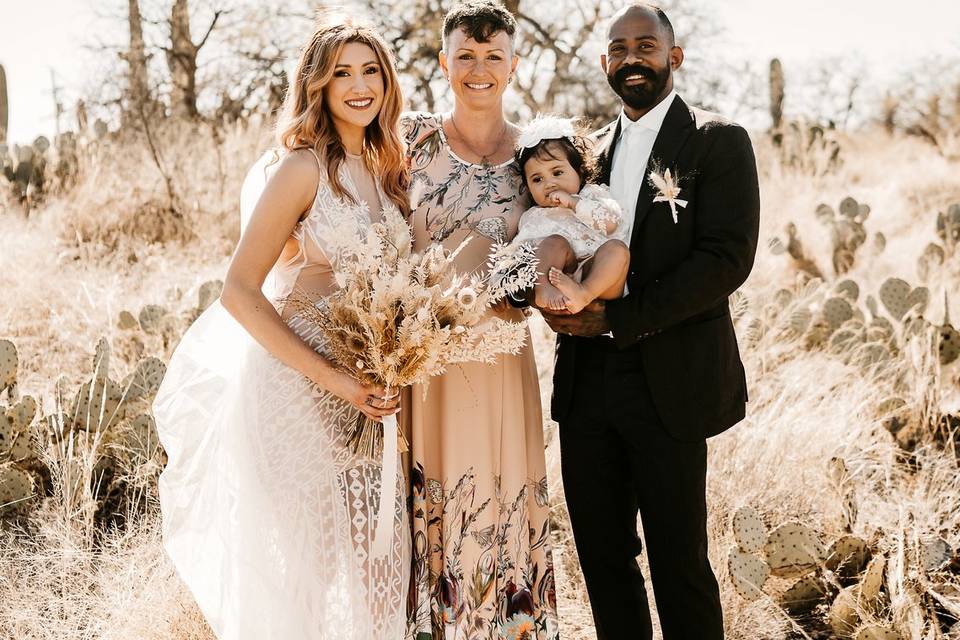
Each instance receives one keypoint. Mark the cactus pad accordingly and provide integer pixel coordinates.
(804, 595)
(871, 354)
(935, 554)
(836, 311)
(126, 321)
(9, 362)
(876, 632)
(825, 213)
(748, 574)
(151, 317)
(15, 438)
(140, 439)
(208, 294)
(898, 298)
(776, 246)
(793, 550)
(145, 380)
(748, 530)
(872, 580)
(837, 471)
(849, 208)
(16, 485)
(800, 319)
(849, 289)
(97, 405)
(949, 344)
(879, 242)
(847, 556)
(843, 616)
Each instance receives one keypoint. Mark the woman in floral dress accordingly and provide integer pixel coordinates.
(481, 547)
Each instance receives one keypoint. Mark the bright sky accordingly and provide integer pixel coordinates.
(40, 35)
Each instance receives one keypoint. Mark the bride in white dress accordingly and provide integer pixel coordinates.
(268, 517)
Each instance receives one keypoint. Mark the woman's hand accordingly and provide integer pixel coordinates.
(370, 399)
(500, 305)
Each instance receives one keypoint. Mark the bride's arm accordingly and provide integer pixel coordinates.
(286, 196)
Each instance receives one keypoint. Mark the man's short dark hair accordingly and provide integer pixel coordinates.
(480, 20)
(661, 16)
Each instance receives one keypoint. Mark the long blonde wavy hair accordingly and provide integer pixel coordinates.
(306, 121)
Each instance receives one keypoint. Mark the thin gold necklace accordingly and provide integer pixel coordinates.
(484, 157)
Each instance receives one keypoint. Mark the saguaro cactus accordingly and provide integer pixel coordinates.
(777, 84)
(4, 106)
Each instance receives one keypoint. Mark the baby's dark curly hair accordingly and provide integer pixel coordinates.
(577, 150)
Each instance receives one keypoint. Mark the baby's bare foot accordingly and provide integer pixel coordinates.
(547, 296)
(576, 294)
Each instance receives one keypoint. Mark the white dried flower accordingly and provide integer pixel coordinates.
(466, 297)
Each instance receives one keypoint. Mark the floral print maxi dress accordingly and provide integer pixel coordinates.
(482, 566)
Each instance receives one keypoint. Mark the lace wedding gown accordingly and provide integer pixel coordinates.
(267, 515)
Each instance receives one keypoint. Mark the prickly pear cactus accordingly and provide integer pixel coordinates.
(96, 406)
(898, 298)
(935, 554)
(151, 317)
(847, 556)
(843, 617)
(16, 486)
(793, 550)
(876, 632)
(804, 595)
(836, 311)
(800, 320)
(208, 294)
(16, 443)
(872, 580)
(948, 226)
(932, 257)
(853, 210)
(949, 344)
(127, 321)
(9, 361)
(748, 530)
(879, 242)
(848, 289)
(748, 574)
(139, 439)
(145, 380)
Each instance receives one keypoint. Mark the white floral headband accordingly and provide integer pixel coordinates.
(546, 128)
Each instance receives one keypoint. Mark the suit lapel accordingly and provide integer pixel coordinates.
(605, 150)
(677, 126)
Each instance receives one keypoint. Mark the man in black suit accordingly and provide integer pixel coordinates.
(635, 406)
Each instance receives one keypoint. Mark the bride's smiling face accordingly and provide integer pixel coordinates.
(355, 93)
(478, 72)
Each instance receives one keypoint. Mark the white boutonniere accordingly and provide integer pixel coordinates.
(668, 188)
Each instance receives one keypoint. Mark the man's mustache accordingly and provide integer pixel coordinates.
(635, 69)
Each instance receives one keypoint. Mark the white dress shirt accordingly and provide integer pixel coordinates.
(630, 158)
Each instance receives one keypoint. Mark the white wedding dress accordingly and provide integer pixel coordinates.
(267, 515)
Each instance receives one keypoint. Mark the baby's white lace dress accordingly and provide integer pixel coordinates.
(584, 228)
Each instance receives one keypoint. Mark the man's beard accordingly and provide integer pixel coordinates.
(641, 96)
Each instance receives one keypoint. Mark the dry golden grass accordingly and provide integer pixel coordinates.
(62, 579)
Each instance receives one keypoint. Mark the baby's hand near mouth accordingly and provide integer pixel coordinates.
(564, 199)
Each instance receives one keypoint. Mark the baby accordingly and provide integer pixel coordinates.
(572, 217)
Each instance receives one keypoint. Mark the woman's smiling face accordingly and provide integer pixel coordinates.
(355, 93)
(478, 72)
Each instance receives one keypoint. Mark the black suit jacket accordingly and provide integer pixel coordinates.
(676, 316)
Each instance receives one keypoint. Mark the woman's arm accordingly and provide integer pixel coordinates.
(285, 198)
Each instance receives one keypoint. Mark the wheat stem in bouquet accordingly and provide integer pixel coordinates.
(401, 317)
